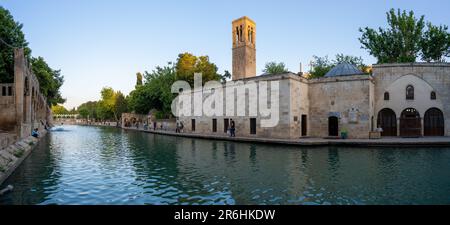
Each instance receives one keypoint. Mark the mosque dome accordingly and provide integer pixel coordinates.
(344, 69)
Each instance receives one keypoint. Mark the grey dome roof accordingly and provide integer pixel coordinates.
(343, 69)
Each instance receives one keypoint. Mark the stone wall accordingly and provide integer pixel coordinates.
(22, 106)
(354, 100)
(13, 155)
(134, 120)
(424, 77)
(292, 91)
(8, 109)
(346, 97)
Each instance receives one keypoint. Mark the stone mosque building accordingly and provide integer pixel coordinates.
(405, 100)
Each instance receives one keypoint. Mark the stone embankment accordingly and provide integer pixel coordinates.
(13, 155)
(384, 142)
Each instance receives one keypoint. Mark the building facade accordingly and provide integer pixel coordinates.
(407, 100)
(22, 106)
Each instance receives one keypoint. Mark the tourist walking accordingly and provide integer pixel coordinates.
(232, 129)
(177, 127)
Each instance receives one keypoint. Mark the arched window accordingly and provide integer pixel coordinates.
(240, 33)
(409, 92)
(237, 34)
(433, 95)
(386, 96)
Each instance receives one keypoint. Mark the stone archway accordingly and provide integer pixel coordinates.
(433, 122)
(387, 120)
(410, 123)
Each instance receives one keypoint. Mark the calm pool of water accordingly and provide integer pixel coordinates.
(89, 165)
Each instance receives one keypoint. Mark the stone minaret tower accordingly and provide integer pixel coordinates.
(244, 48)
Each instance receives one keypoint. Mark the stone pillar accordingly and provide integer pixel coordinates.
(22, 99)
(19, 80)
(422, 127)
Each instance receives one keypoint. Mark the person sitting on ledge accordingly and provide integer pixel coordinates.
(35, 133)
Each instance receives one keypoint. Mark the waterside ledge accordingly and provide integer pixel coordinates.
(384, 142)
(13, 155)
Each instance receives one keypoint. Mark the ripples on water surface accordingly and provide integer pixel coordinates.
(88, 165)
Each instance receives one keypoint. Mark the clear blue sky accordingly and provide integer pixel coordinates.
(99, 43)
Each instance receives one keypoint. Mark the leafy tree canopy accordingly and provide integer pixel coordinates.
(405, 39)
(321, 65)
(50, 81)
(275, 68)
(110, 106)
(59, 109)
(88, 110)
(187, 64)
(435, 43)
(155, 93)
(11, 35)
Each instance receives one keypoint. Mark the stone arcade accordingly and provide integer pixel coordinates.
(22, 105)
(407, 100)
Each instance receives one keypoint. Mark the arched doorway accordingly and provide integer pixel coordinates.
(410, 124)
(387, 120)
(433, 122)
(333, 126)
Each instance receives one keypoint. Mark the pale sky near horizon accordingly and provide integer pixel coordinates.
(98, 43)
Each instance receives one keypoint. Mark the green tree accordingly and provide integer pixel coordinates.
(11, 36)
(73, 111)
(106, 105)
(120, 105)
(399, 43)
(320, 66)
(155, 93)
(88, 110)
(50, 81)
(275, 68)
(354, 60)
(435, 43)
(188, 64)
(59, 109)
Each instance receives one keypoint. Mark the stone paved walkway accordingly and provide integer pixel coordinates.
(394, 141)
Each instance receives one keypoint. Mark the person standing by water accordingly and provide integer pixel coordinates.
(232, 129)
(177, 127)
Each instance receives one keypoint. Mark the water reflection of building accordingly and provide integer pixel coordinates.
(251, 174)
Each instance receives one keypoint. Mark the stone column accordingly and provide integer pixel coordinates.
(19, 80)
(422, 127)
